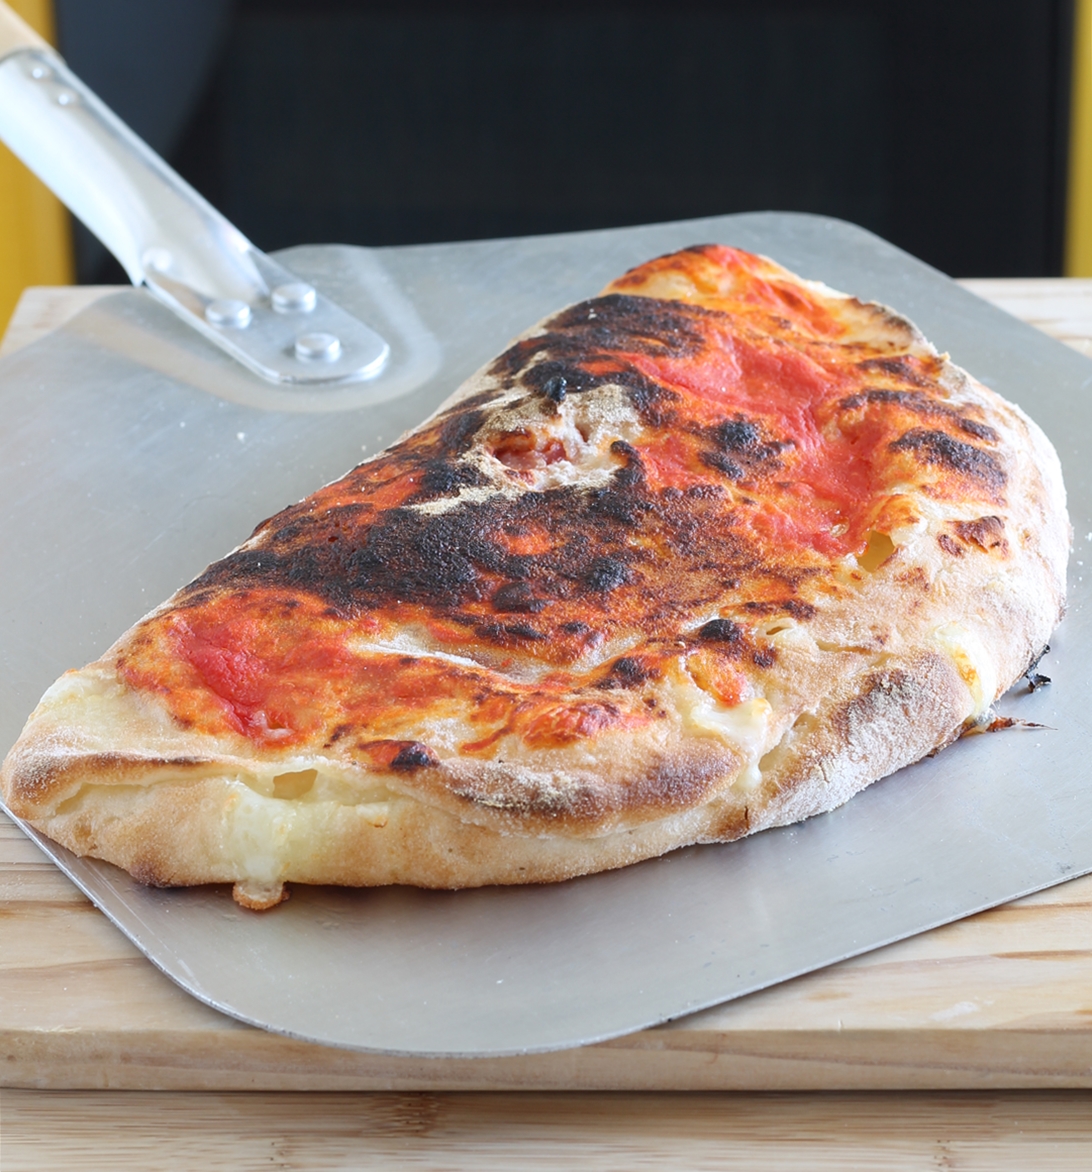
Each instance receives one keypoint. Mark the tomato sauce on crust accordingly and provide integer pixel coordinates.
(768, 442)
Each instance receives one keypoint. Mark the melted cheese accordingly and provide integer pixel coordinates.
(746, 726)
(975, 666)
(260, 833)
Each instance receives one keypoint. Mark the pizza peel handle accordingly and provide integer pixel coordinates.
(165, 235)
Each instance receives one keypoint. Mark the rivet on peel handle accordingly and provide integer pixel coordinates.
(213, 277)
(318, 347)
(294, 298)
(228, 312)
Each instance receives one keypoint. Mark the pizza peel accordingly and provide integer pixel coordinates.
(133, 452)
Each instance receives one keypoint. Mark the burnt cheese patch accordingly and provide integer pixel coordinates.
(555, 552)
(600, 342)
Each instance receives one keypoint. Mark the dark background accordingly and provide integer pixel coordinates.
(940, 125)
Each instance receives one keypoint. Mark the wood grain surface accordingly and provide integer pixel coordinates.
(140, 1132)
(1000, 1000)
(1059, 306)
(42, 309)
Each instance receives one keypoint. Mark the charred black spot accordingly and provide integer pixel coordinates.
(196, 595)
(648, 397)
(606, 574)
(910, 399)
(613, 505)
(414, 756)
(652, 401)
(440, 477)
(633, 472)
(405, 556)
(576, 628)
(517, 598)
(341, 730)
(467, 563)
(738, 451)
(522, 631)
(547, 376)
(416, 557)
(980, 431)
(938, 449)
(720, 631)
(246, 565)
(451, 559)
(629, 669)
(646, 325)
(518, 566)
(555, 388)
(458, 430)
(736, 435)
(722, 463)
(900, 368)
(300, 522)
(764, 657)
(626, 672)
(589, 345)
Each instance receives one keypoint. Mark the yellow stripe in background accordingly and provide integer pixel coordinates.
(35, 230)
(1078, 228)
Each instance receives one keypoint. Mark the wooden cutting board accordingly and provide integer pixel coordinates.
(1002, 999)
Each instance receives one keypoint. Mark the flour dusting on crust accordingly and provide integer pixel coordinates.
(707, 553)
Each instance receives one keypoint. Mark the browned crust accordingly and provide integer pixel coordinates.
(867, 689)
(866, 730)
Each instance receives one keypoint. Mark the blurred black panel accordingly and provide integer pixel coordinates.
(978, 133)
(940, 125)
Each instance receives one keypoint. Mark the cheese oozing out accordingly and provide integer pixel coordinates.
(976, 668)
(746, 726)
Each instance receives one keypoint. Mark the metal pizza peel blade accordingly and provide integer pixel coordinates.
(133, 452)
(147, 438)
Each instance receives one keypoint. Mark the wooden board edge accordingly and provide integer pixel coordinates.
(759, 1061)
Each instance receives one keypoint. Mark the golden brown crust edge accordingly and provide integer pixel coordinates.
(163, 833)
(175, 803)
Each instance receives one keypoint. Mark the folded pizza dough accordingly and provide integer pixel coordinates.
(705, 554)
